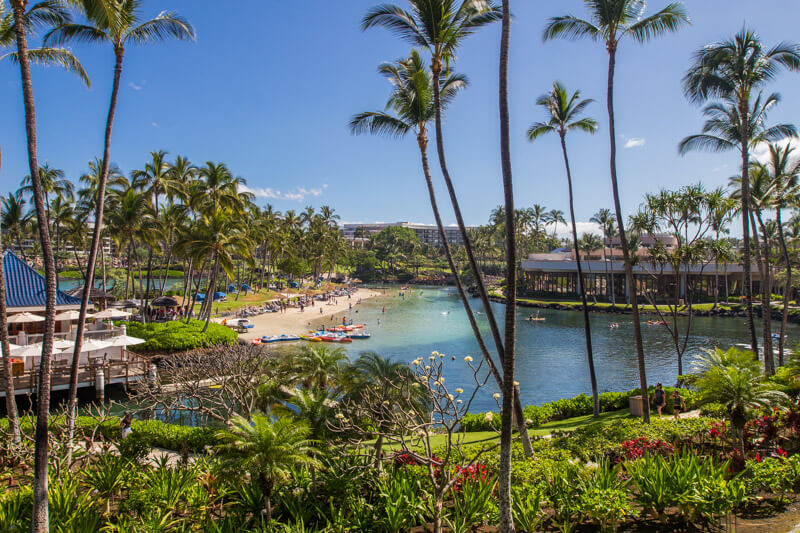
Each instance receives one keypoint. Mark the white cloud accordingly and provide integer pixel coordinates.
(565, 230)
(297, 195)
(635, 142)
(761, 152)
(136, 87)
(154, 124)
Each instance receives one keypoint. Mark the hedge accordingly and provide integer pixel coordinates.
(580, 405)
(177, 336)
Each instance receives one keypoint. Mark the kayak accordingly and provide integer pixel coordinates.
(362, 335)
(284, 338)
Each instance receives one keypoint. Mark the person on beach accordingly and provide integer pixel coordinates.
(678, 405)
(659, 398)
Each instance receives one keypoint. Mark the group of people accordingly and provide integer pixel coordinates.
(660, 401)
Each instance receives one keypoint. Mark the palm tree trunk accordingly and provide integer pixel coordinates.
(92, 262)
(187, 282)
(210, 295)
(762, 258)
(103, 262)
(637, 326)
(586, 327)
(19, 245)
(40, 515)
(504, 475)
(128, 278)
(744, 115)
(149, 278)
(422, 141)
(787, 288)
(11, 399)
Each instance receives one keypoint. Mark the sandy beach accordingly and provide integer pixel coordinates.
(295, 322)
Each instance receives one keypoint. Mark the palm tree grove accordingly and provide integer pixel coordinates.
(404, 267)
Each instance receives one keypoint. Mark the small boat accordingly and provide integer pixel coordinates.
(334, 338)
(286, 338)
(311, 338)
(266, 339)
(361, 335)
(256, 341)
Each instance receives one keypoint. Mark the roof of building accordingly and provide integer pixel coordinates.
(25, 287)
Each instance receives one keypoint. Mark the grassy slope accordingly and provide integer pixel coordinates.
(544, 429)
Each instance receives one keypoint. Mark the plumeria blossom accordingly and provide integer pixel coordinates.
(468, 359)
(434, 353)
(459, 390)
(488, 417)
(496, 395)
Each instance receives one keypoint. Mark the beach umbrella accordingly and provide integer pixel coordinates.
(112, 313)
(23, 318)
(93, 345)
(31, 350)
(12, 346)
(166, 301)
(125, 340)
(63, 344)
(125, 304)
(70, 315)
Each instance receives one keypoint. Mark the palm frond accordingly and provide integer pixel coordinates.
(570, 27)
(396, 20)
(668, 20)
(80, 33)
(705, 142)
(55, 57)
(538, 129)
(166, 24)
(378, 123)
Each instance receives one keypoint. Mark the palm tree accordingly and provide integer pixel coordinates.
(563, 113)
(269, 451)
(5, 346)
(15, 220)
(611, 22)
(412, 104)
(440, 27)
(735, 379)
(317, 364)
(785, 175)
(117, 24)
(508, 389)
(41, 14)
(735, 70)
(721, 211)
(40, 515)
(723, 131)
(605, 219)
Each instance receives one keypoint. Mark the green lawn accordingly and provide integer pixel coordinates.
(232, 304)
(545, 429)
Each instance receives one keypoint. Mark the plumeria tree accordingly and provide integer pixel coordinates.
(411, 414)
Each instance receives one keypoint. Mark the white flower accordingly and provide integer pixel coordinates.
(334, 403)
(417, 361)
(434, 353)
(458, 401)
(516, 383)
(441, 355)
(427, 367)
(496, 395)
(468, 359)
(441, 380)
(432, 358)
(385, 402)
(459, 390)
(450, 397)
(488, 417)
(340, 416)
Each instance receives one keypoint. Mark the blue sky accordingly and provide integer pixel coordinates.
(270, 92)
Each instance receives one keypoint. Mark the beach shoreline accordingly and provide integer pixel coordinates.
(295, 322)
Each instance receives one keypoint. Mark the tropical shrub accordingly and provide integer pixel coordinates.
(178, 336)
(777, 475)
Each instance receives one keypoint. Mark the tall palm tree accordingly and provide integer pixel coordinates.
(785, 176)
(612, 21)
(412, 109)
(40, 515)
(268, 450)
(440, 27)
(723, 131)
(554, 217)
(735, 70)
(508, 389)
(5, 346)
(317, 365)
(605, 219)
(564, 115)
(117, 23)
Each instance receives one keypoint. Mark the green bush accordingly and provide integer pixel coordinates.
(173, 437)
(714, 410)
(177, 336)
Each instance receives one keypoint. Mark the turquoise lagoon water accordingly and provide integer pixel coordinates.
(551, 355)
